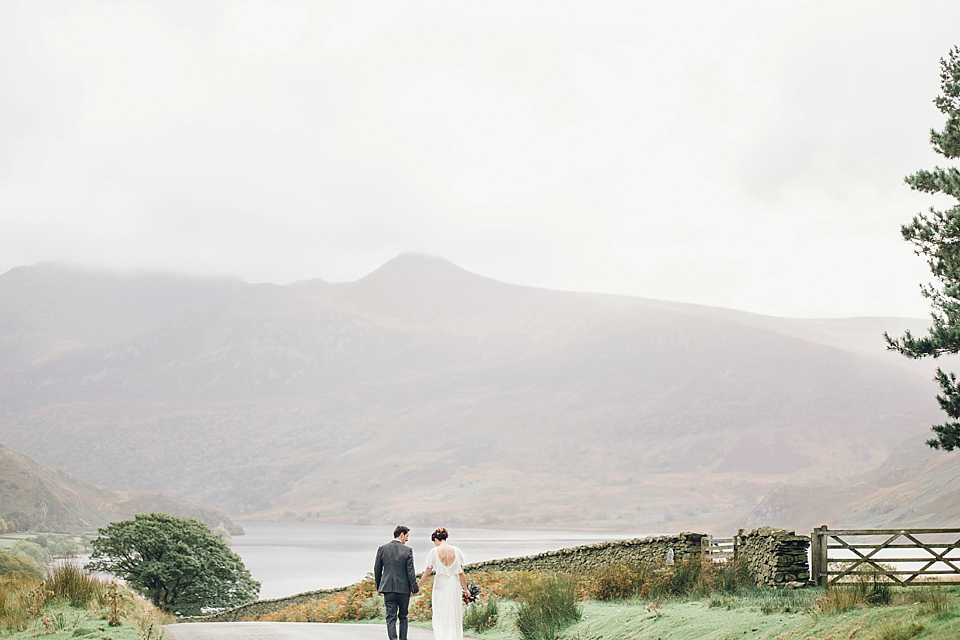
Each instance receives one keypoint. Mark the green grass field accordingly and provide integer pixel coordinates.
(685, 602)
(69, 602)
(697, 620)
(60, 621)
(760, 614)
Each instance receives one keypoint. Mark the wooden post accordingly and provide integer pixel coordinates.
(815, 557)
(818, 556)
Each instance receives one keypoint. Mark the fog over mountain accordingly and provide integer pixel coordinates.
(427, 394)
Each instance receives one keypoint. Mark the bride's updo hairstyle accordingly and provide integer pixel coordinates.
(439, 534)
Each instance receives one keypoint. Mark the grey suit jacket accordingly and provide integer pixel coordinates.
(393, 569)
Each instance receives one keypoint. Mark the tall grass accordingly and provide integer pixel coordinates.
(898, 630)
(615, 582)
(27, 601)
(727, 577)
(70, 581)
(933, 600)
(21, 596)
(685, 579)
(481, 616)
(545, 605)
(867, 587)
(840, 599)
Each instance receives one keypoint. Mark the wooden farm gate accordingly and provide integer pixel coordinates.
(896, 556)
(719, 549)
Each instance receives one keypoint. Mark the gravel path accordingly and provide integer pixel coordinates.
(285, 631)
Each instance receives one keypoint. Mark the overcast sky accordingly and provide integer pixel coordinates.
(744, 154)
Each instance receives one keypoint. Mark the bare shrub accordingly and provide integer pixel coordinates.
(614, 582)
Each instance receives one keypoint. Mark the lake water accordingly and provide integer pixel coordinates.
(290, 558)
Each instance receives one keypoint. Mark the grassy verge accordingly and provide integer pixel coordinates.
(925, 614)
(70, 603)
(60, 621)
(697, 620)
(762, 614)
(684, 602)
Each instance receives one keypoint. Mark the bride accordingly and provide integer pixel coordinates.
(449, 585)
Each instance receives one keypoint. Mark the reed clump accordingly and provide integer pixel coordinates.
(68, 580)
(546, 604)
(481, 616)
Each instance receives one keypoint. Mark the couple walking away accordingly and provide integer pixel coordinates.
(397, 581)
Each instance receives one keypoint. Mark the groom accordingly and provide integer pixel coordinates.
(396, 580)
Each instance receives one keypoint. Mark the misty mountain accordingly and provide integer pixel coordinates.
(39, 498)
(49, 309)
(423, 391)
(915, 486)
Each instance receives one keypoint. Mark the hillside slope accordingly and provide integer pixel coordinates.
(38, 498)
(426, 392)
(914, 487)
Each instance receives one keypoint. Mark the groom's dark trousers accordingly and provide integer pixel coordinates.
(396, 580)
(397, 605)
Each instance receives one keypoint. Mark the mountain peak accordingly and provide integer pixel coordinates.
(417, 264)
(418, 256)
(428, 291)
(418, 274)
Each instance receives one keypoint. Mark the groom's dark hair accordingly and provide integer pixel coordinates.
(400, 530)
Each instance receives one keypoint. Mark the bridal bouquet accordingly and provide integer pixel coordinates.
(470, 595)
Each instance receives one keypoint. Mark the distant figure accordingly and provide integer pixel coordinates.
(396, 580)
(449, 587)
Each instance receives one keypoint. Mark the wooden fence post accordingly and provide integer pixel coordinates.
(818, 556)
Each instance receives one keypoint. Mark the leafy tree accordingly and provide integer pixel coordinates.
(936, 235)
(59, 546)
(31, 550)
(178, 563)
(19, 565)
(221, 532)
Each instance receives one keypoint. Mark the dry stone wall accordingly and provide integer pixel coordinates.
(253, 610)
(653, 550)
(774, 557)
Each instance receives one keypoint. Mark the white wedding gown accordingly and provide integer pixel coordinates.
(447, 596)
